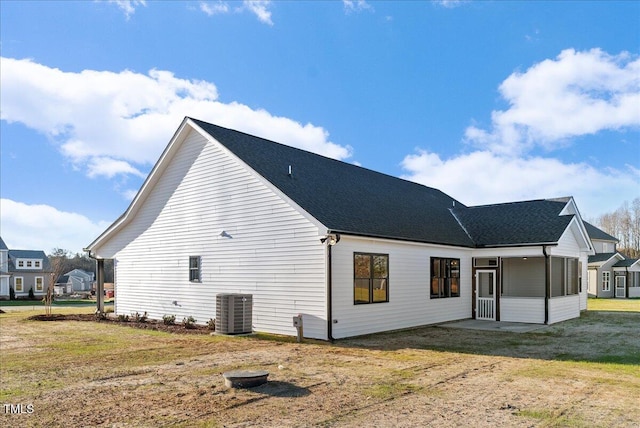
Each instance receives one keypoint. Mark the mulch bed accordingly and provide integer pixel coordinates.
(146, 325)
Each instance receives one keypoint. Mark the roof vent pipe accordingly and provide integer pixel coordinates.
(290, 171)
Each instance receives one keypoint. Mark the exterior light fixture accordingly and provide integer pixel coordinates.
(331, 239)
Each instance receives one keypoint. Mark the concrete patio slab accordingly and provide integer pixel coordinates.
(514, 327)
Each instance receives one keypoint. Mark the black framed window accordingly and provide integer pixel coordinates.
(445, 277)
(370, 278)
(194, 268)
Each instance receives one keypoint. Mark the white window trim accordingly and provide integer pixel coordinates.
(41, 289)
(606, 281)
(15, 284)
(23, 264)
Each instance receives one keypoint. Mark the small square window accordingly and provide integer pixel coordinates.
(194, 268)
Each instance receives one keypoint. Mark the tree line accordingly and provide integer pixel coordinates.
(624, 224)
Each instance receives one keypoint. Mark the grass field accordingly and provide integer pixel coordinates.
(625, 305)
(580, 373)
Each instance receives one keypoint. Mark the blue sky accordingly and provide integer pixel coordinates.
(489, 101)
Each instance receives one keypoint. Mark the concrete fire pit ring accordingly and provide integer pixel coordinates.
(245, 378)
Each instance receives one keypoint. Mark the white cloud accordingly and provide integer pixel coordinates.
(260, 8)
(43, 227)
(128, 6)
(107, 122)
(103, 166)
(356, 5)
(214, 8)
(578, 93)
(449, 4)
(554, 101)
(483, 177)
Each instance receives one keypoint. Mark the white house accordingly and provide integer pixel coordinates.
(352, 250)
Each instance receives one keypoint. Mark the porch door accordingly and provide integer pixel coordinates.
(485, 295)
(621, 285)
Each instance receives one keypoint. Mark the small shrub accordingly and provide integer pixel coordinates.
(189, 322)
(211, 324)
(12, 293)
(123, 318)
(169, 319)
(139, 318)
(32, 296)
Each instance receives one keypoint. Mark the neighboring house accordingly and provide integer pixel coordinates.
(352, 250)
(77, 280)
(611, 274)
(626, 278)
(27, 270)
(4, 270)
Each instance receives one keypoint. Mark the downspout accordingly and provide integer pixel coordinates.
(330, 240)
(547, 283)
(329, 298)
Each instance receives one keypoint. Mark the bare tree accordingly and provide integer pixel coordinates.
(59, 263)
(624, 224)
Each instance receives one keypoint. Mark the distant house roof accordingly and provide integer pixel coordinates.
(601, 258)
(599, 234)
(350, 199)
(626, 263)
(3, 246)
(29, 254)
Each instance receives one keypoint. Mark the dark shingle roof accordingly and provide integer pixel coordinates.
(600, 257)
(516, 223)
(596, 233)
(351, 199)
(625, 263)
(346, 197)
(3, 246)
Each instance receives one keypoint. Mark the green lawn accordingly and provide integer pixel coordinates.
(624, 305)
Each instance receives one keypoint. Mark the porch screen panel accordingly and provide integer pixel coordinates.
(572, 276)
(557, 276)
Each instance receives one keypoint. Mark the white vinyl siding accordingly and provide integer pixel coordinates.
(564, 308)
(269, 249)
(409, 302)
(522, 309)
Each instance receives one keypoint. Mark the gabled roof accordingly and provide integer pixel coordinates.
(599, 234)
(516, 223)
(602, 258)
(626, 263)
(3, 246)
(345, 198)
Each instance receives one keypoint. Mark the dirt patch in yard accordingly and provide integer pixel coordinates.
(580, 373)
